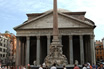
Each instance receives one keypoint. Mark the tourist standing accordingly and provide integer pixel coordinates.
(46, 67)
(28, 66)
(5, 67)
(76, 67)
(93, 66)
(101, 66)
(24, 67)
(54, 66)
(41, 67)
(88, 65)
(84, 66)
(98, 67)
(64, 67)
(0, 66)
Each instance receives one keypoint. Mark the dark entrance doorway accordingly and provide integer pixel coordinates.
(43, 48)
(32, 49)
(65, 48)
(76, 48)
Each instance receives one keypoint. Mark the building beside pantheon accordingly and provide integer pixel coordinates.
(76, 34)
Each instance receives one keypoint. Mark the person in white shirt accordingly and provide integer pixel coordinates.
(41, 67)
(54, 66)
(24, 67)
(84, 66)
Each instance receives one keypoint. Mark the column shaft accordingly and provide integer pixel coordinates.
(17, 52)
(23, 54)
(48, 44)
(71, 49)
(38, 51)
(92, 49)
(81, 50)
(20, 52)
(27, 49)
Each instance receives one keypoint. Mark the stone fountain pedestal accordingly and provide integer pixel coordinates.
(55, 55)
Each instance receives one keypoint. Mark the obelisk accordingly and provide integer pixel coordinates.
(55, 55)
(55, 22)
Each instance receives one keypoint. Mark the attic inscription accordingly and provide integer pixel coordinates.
(50, 31)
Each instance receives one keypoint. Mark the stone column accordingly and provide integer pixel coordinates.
(27, 49)
(17, 53)
(38, 51)
(48, 44)
(60, 38)
(81, 50)
(92, 48)
(22, 53)
(71, 49)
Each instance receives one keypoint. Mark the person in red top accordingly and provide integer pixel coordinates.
(76, 67)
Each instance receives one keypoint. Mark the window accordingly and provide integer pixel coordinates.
(4, 45)
(6, 55)
(97, 57)
(9, 54)
(100, 52)
(0, 49)
(3, 50)
(97, 52)
(97, 49)
(100, 57)
(0, 55)
(3, 55)
(0, 44)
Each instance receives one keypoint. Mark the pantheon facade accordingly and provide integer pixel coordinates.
(76, 34)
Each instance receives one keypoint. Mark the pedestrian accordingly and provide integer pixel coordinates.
(64, 67)
(0, 65)
(41, 67)
(28, 66)
(46, 67)
(76, 67)
(88, 65)
(93, 66)
(24, 67)
(54, 66)
(101, 66)
(98, 67)
(84, 66)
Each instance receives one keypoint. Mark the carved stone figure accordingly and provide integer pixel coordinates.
(34, 62)
(76, 62)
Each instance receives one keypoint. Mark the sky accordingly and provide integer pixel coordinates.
(13, 12)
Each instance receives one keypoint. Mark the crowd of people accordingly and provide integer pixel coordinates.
(84, 66)
(89, 66)
(11, 67)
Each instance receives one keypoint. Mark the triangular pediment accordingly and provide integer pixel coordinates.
(46, 21)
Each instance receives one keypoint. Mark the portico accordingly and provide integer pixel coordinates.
(76, 34)
(36, 47)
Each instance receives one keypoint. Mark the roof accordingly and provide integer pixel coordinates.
(61, 12)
